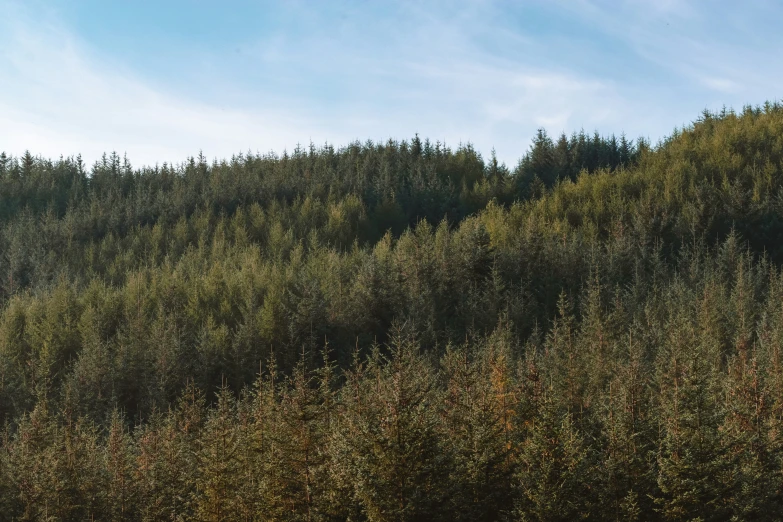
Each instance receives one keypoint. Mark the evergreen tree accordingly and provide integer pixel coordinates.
(219, 463)
(297, 438)
(594, 335)
(554, 472)
(480, 427)
(694, 471)
(120, 465)
(387, 439)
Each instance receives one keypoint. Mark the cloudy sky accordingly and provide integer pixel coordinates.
(162, 79)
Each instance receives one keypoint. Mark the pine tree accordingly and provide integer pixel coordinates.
(627, 473)
(297, 444)
(554, 475)
(479, 425)
(694, 473)
(34, 465)
(219, 463)
(119, 462)
(166, 462)
(387, 440)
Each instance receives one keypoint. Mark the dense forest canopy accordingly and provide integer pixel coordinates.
(399, 331)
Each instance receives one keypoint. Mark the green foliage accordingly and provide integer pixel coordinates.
(594, 334)
(387, 445)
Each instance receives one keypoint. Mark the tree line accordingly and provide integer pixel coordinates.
(399, 331)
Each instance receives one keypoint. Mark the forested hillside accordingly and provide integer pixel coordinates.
(399, 331)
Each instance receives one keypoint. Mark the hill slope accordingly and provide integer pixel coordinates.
(399, 331)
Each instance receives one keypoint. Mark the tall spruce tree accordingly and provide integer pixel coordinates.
(388, 442)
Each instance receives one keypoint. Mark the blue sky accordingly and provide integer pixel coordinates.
(161, 80)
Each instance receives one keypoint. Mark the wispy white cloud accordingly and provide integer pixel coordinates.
(721, 84)
(343, 70)
(724, 46)
(61, 97)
